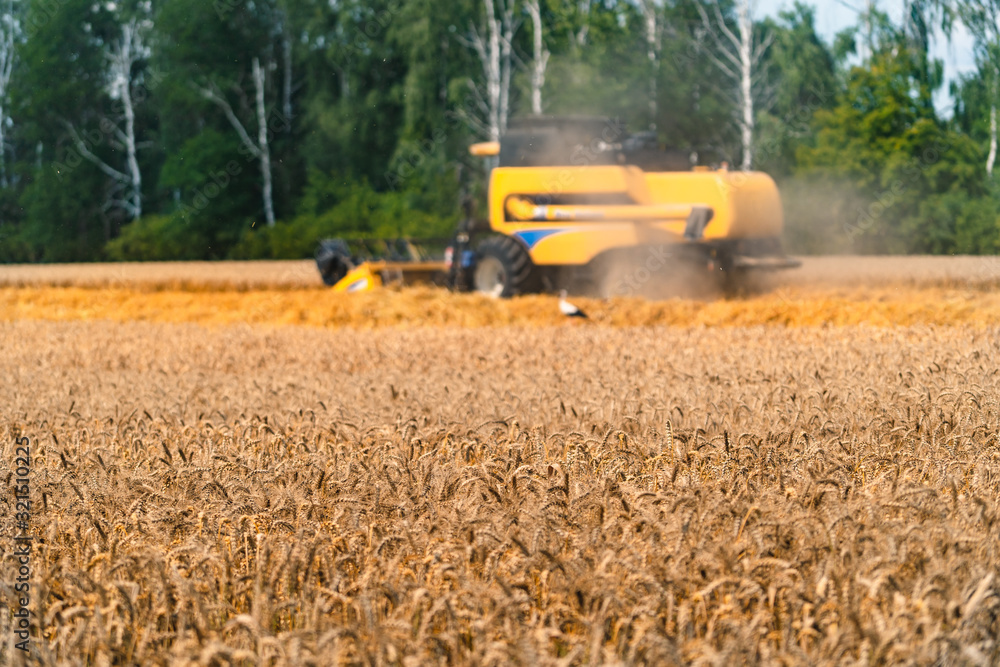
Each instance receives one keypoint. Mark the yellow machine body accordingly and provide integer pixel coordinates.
(647, 208)
(372, 275)
(576, 201)
(364, 278)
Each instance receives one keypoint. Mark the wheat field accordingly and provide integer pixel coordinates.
(836, 271)
(502, 487)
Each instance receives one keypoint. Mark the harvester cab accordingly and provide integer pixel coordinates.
(580, 203)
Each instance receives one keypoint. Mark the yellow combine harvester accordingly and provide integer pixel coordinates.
(577, 202)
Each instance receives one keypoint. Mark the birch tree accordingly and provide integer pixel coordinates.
(540, 54)
(738, 56)
(259, 149)
(9, 30)
(991, 157)
(653, 32)
(867, 15)
(583, 7)
(122, 56)
(493, 46)
(982, 18)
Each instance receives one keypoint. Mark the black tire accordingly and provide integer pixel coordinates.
(503, 268)
(333, 259)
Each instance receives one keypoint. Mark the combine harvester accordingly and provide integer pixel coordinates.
(578, 203)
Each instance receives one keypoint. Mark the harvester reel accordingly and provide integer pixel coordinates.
(503, 268)
(334, 260)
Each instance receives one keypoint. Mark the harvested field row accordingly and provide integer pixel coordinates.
(849, 271)
(152, 276)
(565, 495)
(856, 271)
(438, 307)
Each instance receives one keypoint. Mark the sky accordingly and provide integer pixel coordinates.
(832, 16)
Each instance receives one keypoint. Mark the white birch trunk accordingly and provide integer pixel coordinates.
(495, 54)
(541, 57)
(7, 55)
(738, 57)
(122, 56)
(123, 59)
(746, 83)
(262, 144)
(492, 66)
(653, 53)
(581, 35)
(259, 149)
(992, 158)
(133, 160)
(81, 146)
(506, 45)
(868, 43)
(983, 20)
(3, 149)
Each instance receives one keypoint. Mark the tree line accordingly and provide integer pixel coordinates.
(207, 129)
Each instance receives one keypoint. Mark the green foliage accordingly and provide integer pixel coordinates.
(65, 60)
(974, 94)
(158, 238)
(335, 207)
(805, 81)
(13, 249)
(977, 224)
(961, 225)
(367, 107)
(817, 207)
(608, 77)
(57, 228)
(919, 180)
(215, 187)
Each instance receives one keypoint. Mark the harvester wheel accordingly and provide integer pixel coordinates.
(503, 269)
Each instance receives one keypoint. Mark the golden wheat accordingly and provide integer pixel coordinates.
(538, 495)
(152, 276)
(838, 291)
(436, 307)
(868, 272)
